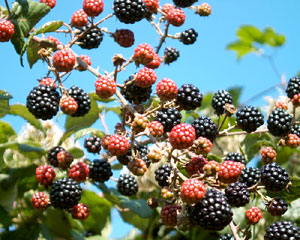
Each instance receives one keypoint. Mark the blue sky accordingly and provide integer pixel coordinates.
(207, 63)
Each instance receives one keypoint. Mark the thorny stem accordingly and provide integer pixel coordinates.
(163, 38)
(224, 134)
(234, 231)
(122, 67)
(8, 9)
(224, 119)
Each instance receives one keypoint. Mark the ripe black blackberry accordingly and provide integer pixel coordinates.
(52, 155)
(213, 212)
(65, 193)
(100, 170)
(171, 55)
(293, 87)
(92, 39)
(82, 99)
(140, 150)
(236, 157)
(277, 206)
(237, 194)
(295, 130)
(274, 177)
(43, 102)
(189, 97)
(162, 175)
(226, 236)
(127, 185)
(130, 11)
(188, 36)
(282, 230)
(250, 176)
(279, 122)
(249, 118)
(168, 117)
(219, 100)
(93, 144)
(135, 94)
(184, 3)
(205, 127)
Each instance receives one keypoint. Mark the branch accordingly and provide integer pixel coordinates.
(163, 38)
(234, 231)
(8, 9)
(224, 134)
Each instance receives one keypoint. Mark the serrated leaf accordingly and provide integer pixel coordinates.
(241, 48)
(83, 132)
(76, 152)
(49, 27)
(5, 95)
(249, 34)
(273, 39)
(32, 53)
(22, 111)
(94, 96)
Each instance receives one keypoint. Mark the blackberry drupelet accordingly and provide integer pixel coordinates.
(279, 122)
(293, 87)
(249, 118)
(82, 99)
(100, 170)
(162, 175)
(184, 3)
(127, 185)
(65, 193)
(139, 149)
(130, 11)
(250, 176)
(93, 144)
(52, 155)
(171, 55)
(135, 94)
(295, 130)
(237, 194)
(274, 177)
(168, 117)
(189, 97)
(43, 102)
(236, 157)
(219, 100)
(282, 230)
(226, 236)
(188, 36)
(213, 212)
(205, 127)
(277, 206)
(92, 39)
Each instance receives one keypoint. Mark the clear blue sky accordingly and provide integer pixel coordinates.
(207, 63)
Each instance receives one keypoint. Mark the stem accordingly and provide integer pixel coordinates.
(224, 119)
(8, 9)
(104, 124)
(234, 231)
(163, 38)
(241, 133)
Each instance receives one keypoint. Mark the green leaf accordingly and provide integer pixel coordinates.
(46, 232)
(214, 157)
(116, 110)
(6, 131)
(4, 103)
(94, 96)
(273, 39)
(100, 211)
(249, 34)
(25, 15)
(285, 153)
(22, 111)
(135, 220)
(76, 152)
(235, 93)
(3, 11)
(5, 219)
(29, 149)
(138, 206)
(25, 233)
(241, 48)
(5, 95)
(49, 27)
(32, 53)
(8, 194)
(117, 166)
(86, 131)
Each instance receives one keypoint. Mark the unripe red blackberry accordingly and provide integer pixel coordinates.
(137, 167)
(182, 136)
(92, 144)
(155, 62)
(169, 118)
(230, 171)
(189, 97)
(235, 157)
(79, 172)
(202, 146)
(274, 177)
(118, 145)
(188, 36)
(249, 118)
(184, 3)
(296, 100)
(156, 128)
(166, 89)
(145, 77)
(47, 81)
(100, 170)
(82, 99)
(52, 155)
(237, 194)
(282, 230)
(79, 18)
(127, 185)
(253, 215)
(105, 141)
(53, 39)
(93, 8)
(139, 123)
(292, 140)
(220, 98)
(45, 174)
(213, 212)
(152, 5)
(80, 211)
(40, 200)
(192, 191)
(169, 214)
(124, 37)
(140, 151)
(68, 105)
(277, 206)
(211, 168)
(64, 60)
(204, 10)
(205, 127)
(268, 155)
(92, 39)
(279, 122)
(64, 159)
(171, 55)
(176, 17)
(105, 87)
(195, 166)
(281, 105)
(250, 176)
(7, 30)
(293, 87)
(162, 175)
(154, 155)
(85, 59)
(49, 3)
(143, 54)
(43, 102)
(130, 11)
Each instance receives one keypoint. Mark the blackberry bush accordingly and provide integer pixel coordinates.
(205, 127)
(249, 118)
(189, 97)
(168, 117)
(92, 39)
(100, 170)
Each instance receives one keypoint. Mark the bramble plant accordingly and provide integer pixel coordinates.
(184, 155)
